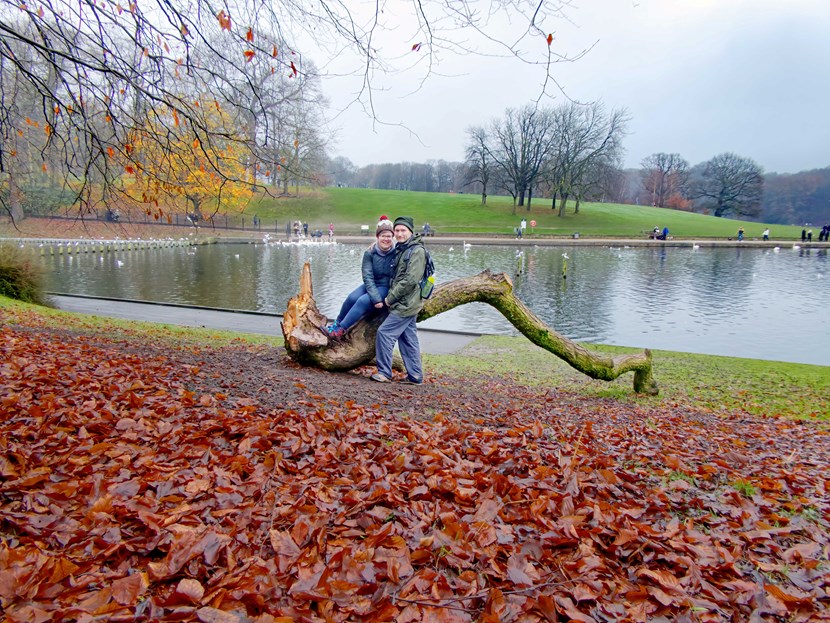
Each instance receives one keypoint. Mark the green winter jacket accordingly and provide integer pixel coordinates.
(405, 292)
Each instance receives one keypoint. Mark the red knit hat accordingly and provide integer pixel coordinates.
(384, 224)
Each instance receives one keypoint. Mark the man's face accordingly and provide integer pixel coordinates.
(402, 233)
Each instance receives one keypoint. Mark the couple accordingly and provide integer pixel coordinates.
(392, 271)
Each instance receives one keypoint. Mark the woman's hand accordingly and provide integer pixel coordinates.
(379, 305)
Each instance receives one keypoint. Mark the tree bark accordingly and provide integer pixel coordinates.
(307, 343)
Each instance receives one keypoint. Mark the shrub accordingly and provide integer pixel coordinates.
(21, 275)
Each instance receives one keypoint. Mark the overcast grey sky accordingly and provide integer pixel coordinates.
(699, 77)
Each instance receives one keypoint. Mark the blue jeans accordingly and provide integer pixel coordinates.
(404, 331)
(357, 305)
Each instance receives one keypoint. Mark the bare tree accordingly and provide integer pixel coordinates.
(342, 171)
(586, 137)
(521, 143)
(98, 69)
(479, 162)
(730, 184)
(664, 176)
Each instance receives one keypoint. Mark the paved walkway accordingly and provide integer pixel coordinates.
(432, 341)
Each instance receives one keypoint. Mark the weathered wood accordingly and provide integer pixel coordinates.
(306, 340)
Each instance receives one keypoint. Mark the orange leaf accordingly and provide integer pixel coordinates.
(274, 52)
(129, 169)
(296, 143)
(110, 152)
(293, 69)
(125, 591)
(175, 117)
(416, 47)
(249, 36)
(550, 38)
(224, 20)
(195, 143)
(44, 167)
(249, 54)
(184, 30)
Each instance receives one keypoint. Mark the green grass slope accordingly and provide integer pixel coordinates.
(349, 208)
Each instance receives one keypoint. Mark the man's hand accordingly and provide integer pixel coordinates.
(379, 305)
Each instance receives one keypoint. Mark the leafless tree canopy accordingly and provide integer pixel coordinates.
(664, 176)
(730, 184)
(570, 151)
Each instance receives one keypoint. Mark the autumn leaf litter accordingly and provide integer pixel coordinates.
(143, 479)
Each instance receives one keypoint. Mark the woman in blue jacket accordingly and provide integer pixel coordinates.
(378, 269)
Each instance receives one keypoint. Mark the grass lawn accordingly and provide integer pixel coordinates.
(349, 208)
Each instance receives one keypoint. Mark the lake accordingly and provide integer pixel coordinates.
(756, 303)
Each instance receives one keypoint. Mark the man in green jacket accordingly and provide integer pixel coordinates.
(404, 303)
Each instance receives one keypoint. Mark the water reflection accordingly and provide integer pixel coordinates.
(735, 301)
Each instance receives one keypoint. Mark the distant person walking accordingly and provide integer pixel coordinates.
(766, 234)
(331, 231)
(740, 233)
(803, 235)
(809, 235)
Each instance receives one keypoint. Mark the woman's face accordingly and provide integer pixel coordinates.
(385, 240)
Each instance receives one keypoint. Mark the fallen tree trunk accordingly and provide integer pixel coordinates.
(307, 342)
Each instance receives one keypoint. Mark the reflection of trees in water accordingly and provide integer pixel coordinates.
(679, 278)
(553, 298)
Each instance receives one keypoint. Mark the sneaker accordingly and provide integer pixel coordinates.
(409, 381)
(337, 333)
(380, 378)
(331, 327)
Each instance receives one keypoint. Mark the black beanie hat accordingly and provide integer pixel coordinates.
(407, 221)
